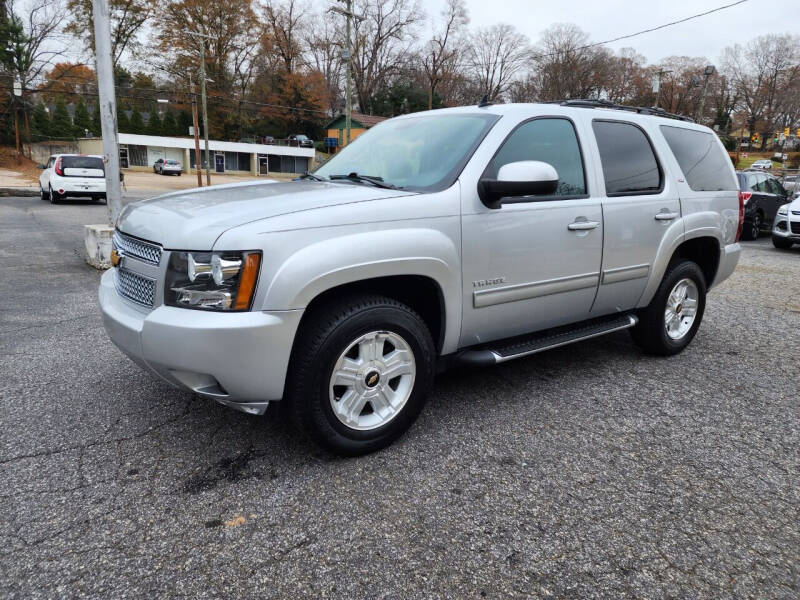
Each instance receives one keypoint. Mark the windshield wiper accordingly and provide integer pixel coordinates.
(371, 179)
(311, 176)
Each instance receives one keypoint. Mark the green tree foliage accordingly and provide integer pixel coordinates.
(184, 122)
(154, 124)
(123, 121)
(137, 123)
(61, 123)
(40, 122)
(169, 125)
(97, 128)
(81, 120)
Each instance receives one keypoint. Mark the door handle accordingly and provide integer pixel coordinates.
(583, 225)
(666, 216)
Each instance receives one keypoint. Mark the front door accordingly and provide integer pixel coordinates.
(640, 209)
(535, 263)
(219, 162)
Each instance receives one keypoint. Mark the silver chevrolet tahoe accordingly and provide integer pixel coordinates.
(465, 236)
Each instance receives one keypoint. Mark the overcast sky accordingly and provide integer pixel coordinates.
(606, 19)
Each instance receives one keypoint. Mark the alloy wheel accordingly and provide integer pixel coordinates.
(372, 380)
(681, 309)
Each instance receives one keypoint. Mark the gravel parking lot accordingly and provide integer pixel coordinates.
(589, 471)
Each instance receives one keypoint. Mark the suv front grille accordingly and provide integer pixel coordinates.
(795, 226)
(150, 253)
(135, 287)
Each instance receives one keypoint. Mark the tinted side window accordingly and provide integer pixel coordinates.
(774, 187)
(760, 183)
(548, 140)
(629, 164)
(704, 164)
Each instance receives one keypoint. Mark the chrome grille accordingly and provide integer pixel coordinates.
(135, 287)
(145, 251)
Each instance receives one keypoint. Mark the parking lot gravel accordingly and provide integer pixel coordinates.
(591, 471)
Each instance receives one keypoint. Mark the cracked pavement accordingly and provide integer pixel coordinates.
(591, 471)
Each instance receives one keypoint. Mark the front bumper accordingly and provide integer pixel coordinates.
(787, 226)
(238, 359)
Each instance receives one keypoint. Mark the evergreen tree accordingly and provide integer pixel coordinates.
(169, 126)
(184, 122)
(61, 123)
(137, 123)
(40, 122)
(154, 125)
(97, 129)
(82, 121)
(123, 122)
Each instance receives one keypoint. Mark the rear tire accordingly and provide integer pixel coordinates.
(42, 193)
(382, 356)
(665, 327)
(752, 229)
(781, 243)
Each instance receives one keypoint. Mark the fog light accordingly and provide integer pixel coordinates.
(781, 225)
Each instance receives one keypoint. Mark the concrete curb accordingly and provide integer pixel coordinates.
(12, 191)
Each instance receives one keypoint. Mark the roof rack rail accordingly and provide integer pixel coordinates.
(642, 110)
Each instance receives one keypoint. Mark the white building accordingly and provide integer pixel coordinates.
(139, 152)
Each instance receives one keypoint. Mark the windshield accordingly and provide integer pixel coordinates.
(423, 153)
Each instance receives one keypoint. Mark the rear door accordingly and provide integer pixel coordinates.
(86, 173)
(640, 208)
(778, 199)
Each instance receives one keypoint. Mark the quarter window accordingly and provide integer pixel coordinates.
(629, 164)
(547, 140)
(704, 164)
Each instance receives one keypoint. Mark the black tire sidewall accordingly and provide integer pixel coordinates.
(314, 400)
(683, 270)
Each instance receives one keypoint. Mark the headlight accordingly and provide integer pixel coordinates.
(212, 280)
(784, 210)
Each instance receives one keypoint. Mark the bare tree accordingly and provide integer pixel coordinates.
(759, 71)
(283, 23)
(442, 52)
(37, 47)
(383, 43)
(323, 47)
(128, 18)
(497, 55)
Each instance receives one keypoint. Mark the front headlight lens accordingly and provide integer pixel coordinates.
(784, 210)
(212, 280)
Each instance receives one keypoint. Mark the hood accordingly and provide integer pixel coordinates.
(194, 219)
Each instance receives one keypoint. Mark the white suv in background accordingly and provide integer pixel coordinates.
(73, 176)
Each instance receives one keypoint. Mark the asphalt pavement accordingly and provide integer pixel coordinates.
(591, 471)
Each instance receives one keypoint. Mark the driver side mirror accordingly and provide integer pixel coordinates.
(517, 179)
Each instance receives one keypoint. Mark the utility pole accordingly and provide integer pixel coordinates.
(107, 106)
(198, 162)
(347, 55)
(706, 74)
(203, 92)
(657, 84)
(15, 103)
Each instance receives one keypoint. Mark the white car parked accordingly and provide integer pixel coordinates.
(73, 176)
(765, 164)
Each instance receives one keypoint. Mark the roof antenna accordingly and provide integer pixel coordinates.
(484, 101)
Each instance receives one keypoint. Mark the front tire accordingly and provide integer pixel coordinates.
(360, 374)
(673, 317)
(781, 243)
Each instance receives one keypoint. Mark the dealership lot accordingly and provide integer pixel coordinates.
(589, 471)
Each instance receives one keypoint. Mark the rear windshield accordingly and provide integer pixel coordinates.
(705, 166)
(81, 162)
(171, 162)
